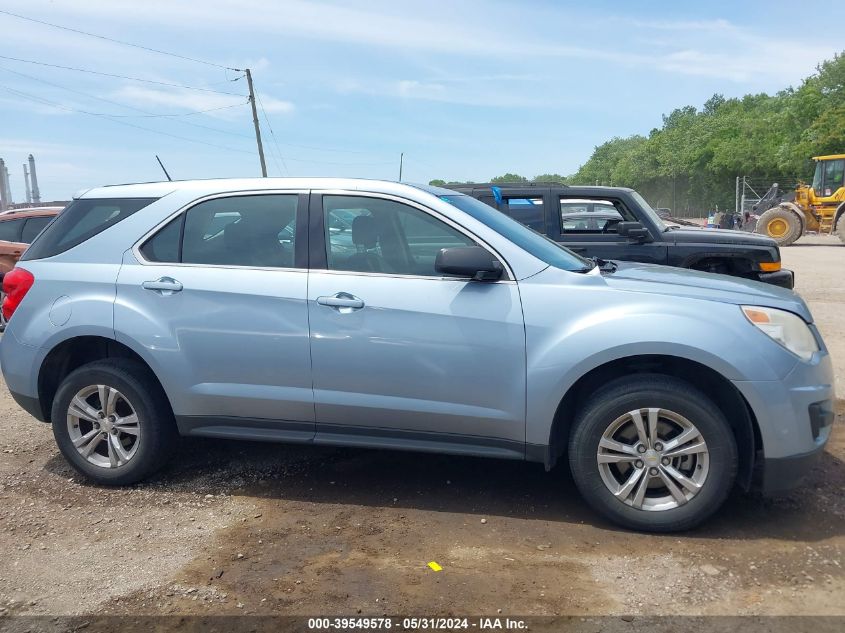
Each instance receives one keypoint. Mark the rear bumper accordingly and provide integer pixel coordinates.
(29, 404)
(782, 278)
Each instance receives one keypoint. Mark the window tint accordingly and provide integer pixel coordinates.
(529, 211)
(164, 245)
(530, 241)
(833, 173)
(573, 207)
(33, 227)
(10, 230)
(81, 220)
(241, 231)
(599, 223)
(376, 235)
(591, 216)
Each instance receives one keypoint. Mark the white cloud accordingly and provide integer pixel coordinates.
(197, 101)
(714, 48)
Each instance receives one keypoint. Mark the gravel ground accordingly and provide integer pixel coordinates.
(237, 527)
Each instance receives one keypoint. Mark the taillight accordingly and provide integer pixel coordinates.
(16, 283)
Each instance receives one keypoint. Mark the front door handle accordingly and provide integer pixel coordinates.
(163, 285)
(342, 300)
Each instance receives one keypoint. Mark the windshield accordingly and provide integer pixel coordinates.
(651, 213)
(538, 245)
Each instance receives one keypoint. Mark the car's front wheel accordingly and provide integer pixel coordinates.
(653, 453)
(112, 422)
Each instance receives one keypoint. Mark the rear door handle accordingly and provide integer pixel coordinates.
(163, 285)
(342, 300)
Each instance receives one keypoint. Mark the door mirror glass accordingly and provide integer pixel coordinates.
(468, 261)
(632, 230)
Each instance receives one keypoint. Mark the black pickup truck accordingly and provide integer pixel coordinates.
(617, 223)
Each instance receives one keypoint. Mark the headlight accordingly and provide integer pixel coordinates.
(784, 327)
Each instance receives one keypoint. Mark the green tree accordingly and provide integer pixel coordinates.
(437, 182)
(556, 178)
(509, 177)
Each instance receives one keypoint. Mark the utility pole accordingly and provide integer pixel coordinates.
(401, 159)
(255, 122)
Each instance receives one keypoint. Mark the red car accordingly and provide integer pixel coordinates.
(17, 230)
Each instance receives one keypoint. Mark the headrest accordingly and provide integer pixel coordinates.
(365, 231)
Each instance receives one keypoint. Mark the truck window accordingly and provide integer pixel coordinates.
(528, 211)
(588, 216)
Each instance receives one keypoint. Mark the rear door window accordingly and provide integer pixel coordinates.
(258, 230)
(80, 221)
(10, 230)
(527, 210)
(33, 227)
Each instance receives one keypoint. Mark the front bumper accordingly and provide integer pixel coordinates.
(782, 278)
(794, 416)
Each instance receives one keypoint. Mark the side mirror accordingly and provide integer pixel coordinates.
(468, 261)
(632, 230)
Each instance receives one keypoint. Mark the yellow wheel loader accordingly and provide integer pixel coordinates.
(818, 208)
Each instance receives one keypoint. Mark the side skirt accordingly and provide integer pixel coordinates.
(263, 430)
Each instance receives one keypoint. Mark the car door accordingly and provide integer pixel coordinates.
(217, 297)
(600, 239)
(402, 356)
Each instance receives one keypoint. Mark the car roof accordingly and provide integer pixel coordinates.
(569, 190)
(14, 214)
(224, 185)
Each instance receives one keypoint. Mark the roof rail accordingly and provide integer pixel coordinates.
(505, 184)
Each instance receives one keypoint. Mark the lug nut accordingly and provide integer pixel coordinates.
(665, 461)
(101, 415)
(658, 446)
(96, 425)
(652, 471)
(112, 418)
(639, 463)
(641, 449)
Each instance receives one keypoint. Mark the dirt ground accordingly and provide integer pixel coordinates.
(235, 528)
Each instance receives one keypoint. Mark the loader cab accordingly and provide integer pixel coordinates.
(829, 176)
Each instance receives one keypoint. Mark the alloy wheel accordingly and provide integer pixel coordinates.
(653, 459)
(103, 426)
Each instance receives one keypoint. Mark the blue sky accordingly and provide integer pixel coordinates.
(468, 90)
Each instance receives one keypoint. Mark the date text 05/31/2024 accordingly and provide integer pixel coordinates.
(416, 624)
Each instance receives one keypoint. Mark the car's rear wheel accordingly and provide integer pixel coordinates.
(112, 422)
(653, 453)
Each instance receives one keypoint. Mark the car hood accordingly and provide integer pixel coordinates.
(666, 280)
(717, 236)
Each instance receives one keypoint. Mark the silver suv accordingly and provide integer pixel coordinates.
(367, 313)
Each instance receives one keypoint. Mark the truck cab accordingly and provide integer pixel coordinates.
(616, 223)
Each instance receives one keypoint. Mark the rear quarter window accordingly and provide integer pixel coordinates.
(80, 221)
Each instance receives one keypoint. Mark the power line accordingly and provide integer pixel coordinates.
(119, 121)
(273, 135)
(123, 105)
(116, 41)
(145, 113)
(102, 74)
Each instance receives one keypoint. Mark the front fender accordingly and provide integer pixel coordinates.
(612, 325)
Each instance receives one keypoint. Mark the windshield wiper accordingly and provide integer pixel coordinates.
(605, 265)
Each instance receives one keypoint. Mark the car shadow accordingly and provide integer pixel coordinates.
(468, 485)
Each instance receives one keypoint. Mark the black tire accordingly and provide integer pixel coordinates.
(158, 436)
(840, 228)
(639, 392)
(780, 215)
